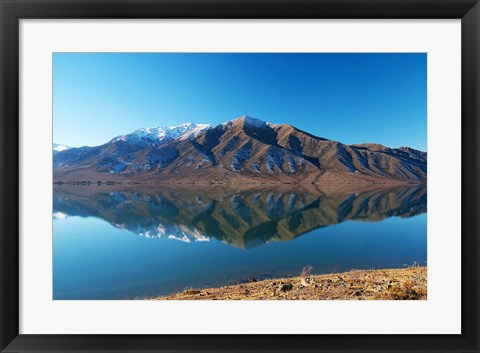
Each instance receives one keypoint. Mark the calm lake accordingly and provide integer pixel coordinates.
(135, 242)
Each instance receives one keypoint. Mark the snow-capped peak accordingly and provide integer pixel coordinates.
(60, 148)
(248, 120)
(164, 134)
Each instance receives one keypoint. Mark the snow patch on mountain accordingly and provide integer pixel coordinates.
(60, 148)
(162, 134)
(291, 163)
(247, 120)
(241, 156)
(194, 131)
(202, 162)
(253, 121)
(118, 167)
(274, 159)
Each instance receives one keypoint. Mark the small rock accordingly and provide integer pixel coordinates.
(251, 279)
(191, 291)
(307, 281)
(286, 287)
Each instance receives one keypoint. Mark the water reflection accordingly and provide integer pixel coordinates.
(242, 218)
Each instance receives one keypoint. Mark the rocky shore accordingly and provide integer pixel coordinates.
(408, 283)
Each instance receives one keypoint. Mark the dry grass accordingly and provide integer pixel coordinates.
(390, 284)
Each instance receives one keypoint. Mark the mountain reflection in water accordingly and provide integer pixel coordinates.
(242, 218)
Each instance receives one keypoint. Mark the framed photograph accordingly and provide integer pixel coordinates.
(239, 176)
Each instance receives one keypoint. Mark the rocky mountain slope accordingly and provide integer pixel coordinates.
(244, 150)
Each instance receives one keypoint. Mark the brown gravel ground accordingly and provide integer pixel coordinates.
(390, 284)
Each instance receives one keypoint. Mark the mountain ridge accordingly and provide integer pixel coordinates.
(241, 150)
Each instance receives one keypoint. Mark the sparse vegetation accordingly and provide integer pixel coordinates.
(408, 283)
(306, 271)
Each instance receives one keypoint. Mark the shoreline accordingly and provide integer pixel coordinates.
(233, 183)
(409, 283)
(208, 189)
(324, 177)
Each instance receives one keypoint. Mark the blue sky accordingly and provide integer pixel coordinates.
(351, 98)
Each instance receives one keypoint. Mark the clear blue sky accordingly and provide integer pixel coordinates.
(351, 98)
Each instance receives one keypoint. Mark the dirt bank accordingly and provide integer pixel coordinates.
(388, 284)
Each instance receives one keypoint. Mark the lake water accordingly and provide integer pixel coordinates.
(113, 242)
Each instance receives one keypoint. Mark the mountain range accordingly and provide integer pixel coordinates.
(240, 151)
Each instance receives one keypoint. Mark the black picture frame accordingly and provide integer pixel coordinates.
(12, 11)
